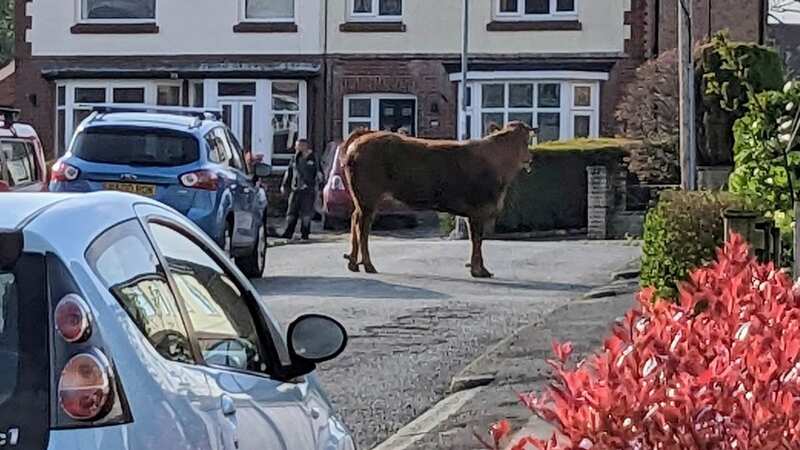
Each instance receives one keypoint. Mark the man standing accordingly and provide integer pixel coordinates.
(300, 181)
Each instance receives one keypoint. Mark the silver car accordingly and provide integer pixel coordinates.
(122, 326)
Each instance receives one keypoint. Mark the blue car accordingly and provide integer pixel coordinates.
(183, 157)
(124, 327)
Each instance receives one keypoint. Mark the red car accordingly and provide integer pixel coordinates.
(22, 165)
(337, 205)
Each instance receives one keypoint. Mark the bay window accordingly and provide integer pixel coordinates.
(77, 98)
(560, 109)
(118, 10)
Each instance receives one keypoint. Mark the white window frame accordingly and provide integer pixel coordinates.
(375, 115)
(80, 19)
(69, 107)
(262, 115)
(243, 15)
(374, 15)
(520, 13)
(568, 80)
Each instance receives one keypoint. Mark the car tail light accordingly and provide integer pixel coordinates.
(73, 319)
(202, 179)
(337, 184)
(85, 386)
(62, 171)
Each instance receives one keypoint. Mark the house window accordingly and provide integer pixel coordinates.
(77, 98)
(559, 109)
(285, 120)
(535, 9)
(376, 9)
(387, 112)
(269, 10)
(123, 10)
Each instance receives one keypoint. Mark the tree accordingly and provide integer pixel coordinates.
(6, 31)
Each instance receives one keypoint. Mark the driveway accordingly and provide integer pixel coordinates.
(421, 320)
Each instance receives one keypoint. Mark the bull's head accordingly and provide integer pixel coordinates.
(525, 157)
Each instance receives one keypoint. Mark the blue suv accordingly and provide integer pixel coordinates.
(186, 158)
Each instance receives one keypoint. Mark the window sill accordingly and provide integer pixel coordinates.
(372, 27)
(534, 25)
(114, 28)
(265, 27)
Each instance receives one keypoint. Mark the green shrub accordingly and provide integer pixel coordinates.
(447, 223)
(681, 233)
(553, 196)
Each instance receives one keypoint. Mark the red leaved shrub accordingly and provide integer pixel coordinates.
(718, 369)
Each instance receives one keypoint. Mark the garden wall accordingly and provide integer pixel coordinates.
(554, 196)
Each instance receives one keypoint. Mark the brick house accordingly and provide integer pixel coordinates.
(283, 69)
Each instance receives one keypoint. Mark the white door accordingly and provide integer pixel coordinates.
(238, 115)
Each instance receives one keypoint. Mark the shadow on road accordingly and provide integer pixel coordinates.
(510, 284)
(342, 287)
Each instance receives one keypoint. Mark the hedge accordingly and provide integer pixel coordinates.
(681, 233)
(554, 195)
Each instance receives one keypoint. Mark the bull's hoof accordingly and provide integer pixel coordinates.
(481, 273)
(369, 268)
(352, 266)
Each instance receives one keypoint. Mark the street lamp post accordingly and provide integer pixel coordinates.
(460, 230)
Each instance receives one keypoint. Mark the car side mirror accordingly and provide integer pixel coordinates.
(262, 170)
(314, 339)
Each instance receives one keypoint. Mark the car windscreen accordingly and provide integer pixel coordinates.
(136, 146)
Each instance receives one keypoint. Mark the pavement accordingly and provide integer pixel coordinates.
(422, 320)
(517, 365)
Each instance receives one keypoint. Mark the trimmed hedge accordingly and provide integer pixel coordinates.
(554, 195)
(681, 233)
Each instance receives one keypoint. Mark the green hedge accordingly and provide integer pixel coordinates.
(554, 195)
(681, 233)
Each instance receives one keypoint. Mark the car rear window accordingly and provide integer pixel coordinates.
(136, 146)
(9, 336)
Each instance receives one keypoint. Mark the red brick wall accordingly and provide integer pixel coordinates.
(8, 91)
(743, 18)
(427, 79)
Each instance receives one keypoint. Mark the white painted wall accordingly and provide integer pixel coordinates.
(434, 26)
(186, 27)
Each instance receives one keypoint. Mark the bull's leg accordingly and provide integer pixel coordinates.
(352, 258)
(364, 229)
(476, 228)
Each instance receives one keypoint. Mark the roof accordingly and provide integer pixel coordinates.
(8, 70)
(175, 122)
(19, 208)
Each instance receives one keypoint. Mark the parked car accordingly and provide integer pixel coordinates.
(22, 164)
(337, 204)
(124, 326)
(186, 158)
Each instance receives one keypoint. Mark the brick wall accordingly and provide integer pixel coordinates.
(743, 18)
(426, 79)
(8, 90)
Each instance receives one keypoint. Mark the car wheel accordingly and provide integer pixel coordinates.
(254, 263)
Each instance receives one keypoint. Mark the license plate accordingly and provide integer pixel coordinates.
(147, 190)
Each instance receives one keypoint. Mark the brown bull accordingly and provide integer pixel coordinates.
(468, 179)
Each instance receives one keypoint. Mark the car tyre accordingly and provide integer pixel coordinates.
(254, 263)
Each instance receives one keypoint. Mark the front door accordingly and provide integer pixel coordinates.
(398, 114)
(238, 115)
(257, 412)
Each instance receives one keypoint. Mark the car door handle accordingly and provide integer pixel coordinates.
(228, 406)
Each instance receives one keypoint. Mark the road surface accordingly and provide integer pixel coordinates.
(422, 319)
